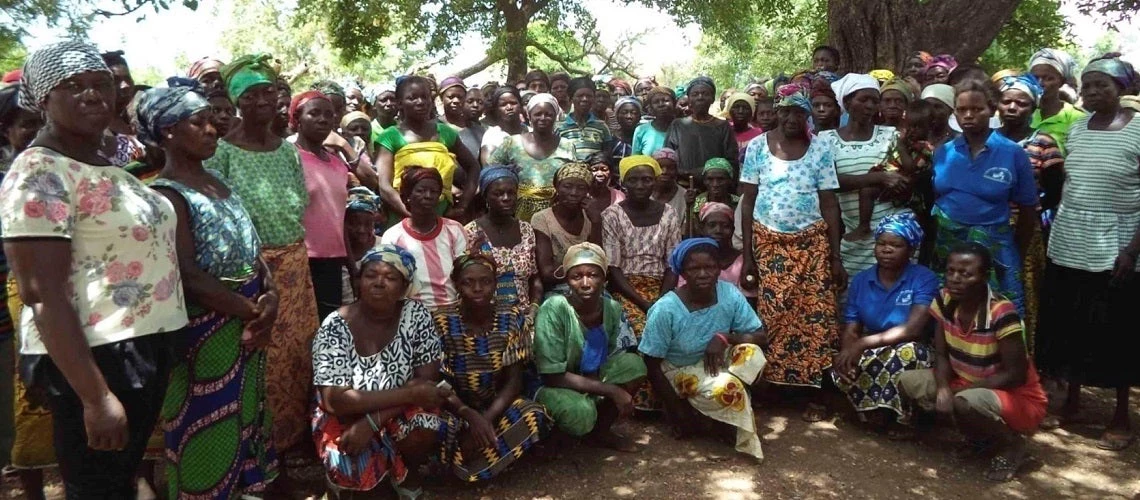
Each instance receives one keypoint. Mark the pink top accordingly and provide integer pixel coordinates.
(616, 196)
(327, 184)
(434, 252)
(731, 275)
(743, 138)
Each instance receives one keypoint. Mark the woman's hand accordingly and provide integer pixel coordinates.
(593, 210)
(1124, 269)
(838, 275)
(622, 400)
(894, 181)
(845, 361)
(425, 394)
(479, 427)
(338, 142)
(257, 332)
(105, 421)
(714, 355)
(944, 401)
(355, 438)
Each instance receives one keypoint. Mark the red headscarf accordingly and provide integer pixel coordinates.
(300, 100)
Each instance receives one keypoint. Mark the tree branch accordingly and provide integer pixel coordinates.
(129, 11)
(491, 58)
(555, 57)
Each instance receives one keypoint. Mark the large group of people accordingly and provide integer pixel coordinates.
(235, 278)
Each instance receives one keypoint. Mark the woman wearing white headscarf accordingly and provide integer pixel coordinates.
(536, 156)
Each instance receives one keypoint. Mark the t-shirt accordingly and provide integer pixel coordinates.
(647, 139)
(327, 183)
(680, 336)
(696, 142)
(974, 353)
(336, 362)
(435, 253)
(879, 309)
(587, 138)
(787, 194)
(124, 281)
(393, 140)
(271, 185)
(978, 191)
(1058, 125)
(639, 251)
(560, 240)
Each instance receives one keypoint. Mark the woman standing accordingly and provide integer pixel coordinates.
(896, 96)
(125, 148)
(572, 220)
(587, 133)
(791, 215)
(232, 303)
(701, 136)
(667, 190)
(1090, 281)
(650, 136)
(96, 342)
(505, 108)
(1054, 69)
(638, 234)
(602, 193)
(452, 94)
(265, 172)
(510, 241)
(825, 108)
(536, 156)
(628, 113)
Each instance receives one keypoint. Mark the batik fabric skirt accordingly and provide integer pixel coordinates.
(797, 303)
(648, 287)
(876, 382)
(724, 397)
(32, 446)
(998, 238)
(381, 459)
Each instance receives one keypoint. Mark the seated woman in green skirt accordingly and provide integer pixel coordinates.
(584, 350)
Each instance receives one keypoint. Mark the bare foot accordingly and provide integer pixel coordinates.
(612, 440)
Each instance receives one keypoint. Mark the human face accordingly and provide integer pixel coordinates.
(824, 111)
(1050, 79)
(641, 89)
(638, 183)
(602, 102)
(211, 81)
(719, 227)
(354, 100)
(863, 104)
(964, 275)
(316, 120)
(539, 86)
(124, 86)
(559, 88)
(502, 196)
(542, 118)
(684, 106)
(416, 102)
(618, 92)
(23, 129)
(700, 98)
(508, 107)
(756, 93)
(893, 106)
(360, 128)
(360, 228)
(195, 137)
(824, 60)
(386, 105)
(792, 121)
(381, 285)
(940, 112)
(717, 181)
(628, 116)
(571, 192)
(453, 100)
(668, 173)
(83, 104)
(601, 173)
(423, 198)
(740, 112)
(661, 106)
(222, 114)
(586, 281)
(765, 116)
(476, 285)
(972, 111)
(701, 271)
(473, 104)
(583, 99)
(1016, 107)
(259, 103)
(1099, 91)
(914, 68)
(937, 74)
(892, 251)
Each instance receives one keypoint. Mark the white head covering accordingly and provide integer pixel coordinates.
(851, 83)
(544, 98)
(49, 66)
(940, 91)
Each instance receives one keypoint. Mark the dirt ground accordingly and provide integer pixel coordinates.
(836, 458)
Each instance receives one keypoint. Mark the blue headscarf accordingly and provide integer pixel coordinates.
(677, 258)
(1026, 83)
(362, 199)
(160, 108)
(1118, 69)
(904, 225)
(701, 80)
(394, 256)
(492, 173)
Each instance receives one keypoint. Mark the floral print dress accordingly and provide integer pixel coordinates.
(517, 264)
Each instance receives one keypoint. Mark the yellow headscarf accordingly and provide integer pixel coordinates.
(630, 162)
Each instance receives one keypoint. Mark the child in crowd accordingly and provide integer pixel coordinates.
(765, 113)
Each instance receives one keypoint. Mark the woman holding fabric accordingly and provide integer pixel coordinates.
(649, 137)
(510, 241)
(535, 156)
(232, 302)
(791, 216)
(702, 348)
(701, 136)
(572, 220)
(506, 104)
(1054, 69)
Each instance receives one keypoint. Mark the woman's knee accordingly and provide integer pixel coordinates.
(418, 442)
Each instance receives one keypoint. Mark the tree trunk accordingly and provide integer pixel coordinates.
(874, 34)
(513, 42)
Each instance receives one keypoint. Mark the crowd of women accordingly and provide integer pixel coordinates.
(225, 274)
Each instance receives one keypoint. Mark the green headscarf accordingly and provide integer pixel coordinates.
(717, 163)
(248, 71)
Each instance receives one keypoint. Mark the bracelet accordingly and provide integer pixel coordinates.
(724, 339)
(372, 423)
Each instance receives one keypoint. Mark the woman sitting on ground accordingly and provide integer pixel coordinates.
(701, 347)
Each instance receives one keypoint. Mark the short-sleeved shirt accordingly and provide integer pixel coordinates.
(588, 138)
(534, 173)
(639, 251)
(327, 184)
(647, 139)
(124, 281)
(974, 353)
(560, 336)
(393, 140)
(787, 194)
(978, 191)
(272, 188)
(878, 308)
(680, 336)
(336, 363)
(560, 240)
(1058, 125)
(435, 253)
(696, 142)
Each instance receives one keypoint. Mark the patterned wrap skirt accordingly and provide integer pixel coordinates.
(725, 397)
(1006, 276)
(875, 385)
(797, 303)
(648, 287)
(365, 471)
(32, 444)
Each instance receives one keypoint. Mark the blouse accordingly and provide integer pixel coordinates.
(647, 139)
(435, 253)
(225, 244)
(560, 239)
(680, 336)
(534, 173)
(639, 251)
(327, 184)
(560, 336)
(787, 194)
(336, 362)
(271, 185)
(517, 262)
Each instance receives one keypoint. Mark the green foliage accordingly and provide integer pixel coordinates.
(12, 55)
(1035, 24)
(76, 16)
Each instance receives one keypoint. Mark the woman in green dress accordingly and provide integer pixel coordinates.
(536, 155)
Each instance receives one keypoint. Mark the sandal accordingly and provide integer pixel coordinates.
(815, 412)
(1115, 440)
(1003, 468)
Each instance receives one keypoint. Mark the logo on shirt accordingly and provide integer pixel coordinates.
(999, 174)
(905, 298)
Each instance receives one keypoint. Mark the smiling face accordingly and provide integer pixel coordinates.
(83, 104)
(542, 118)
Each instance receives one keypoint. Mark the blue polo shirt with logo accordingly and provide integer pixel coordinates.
(878, 308)
(978, 191)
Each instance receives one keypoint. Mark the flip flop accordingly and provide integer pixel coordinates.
(1115, 442)
(1003, 468)
(814, 413)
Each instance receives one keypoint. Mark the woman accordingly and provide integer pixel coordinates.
(95, 343)
(741, 110)
(941, 99)
(572, 220)
(434, 241)
(791, 217)
(484, 351)
(884, 330)
(825, 108)
(602, 194)
(223, 114)
(560, 84)
(1054, 69)
(914, 68)
(509, 240)
(232, 303)
(384, 111)
(938, 69)
(472, 134)
(1090, 281)
(583, 351)
(982, 378)
(638, 234)
(628, 113)
(718, 223)
(667, 190)
(266, 174)
(208, 72)
(701, 136)
(505, 107)
(361, 214)
(536, 156)
(649, 137)
(717, 178)
(586, 133)
(124, 147)
(452, 94)
(895, 97)
(977, 177)
(418, 140)
(356, 127)
(280, 126)
(702, 348)
(375, 366)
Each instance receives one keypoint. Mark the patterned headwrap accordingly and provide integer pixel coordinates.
(474, 259)
(882, 75)
(160, 108)
(717, 163)
(850, 84)
(492, 173)
(1118, 69)
(1026, 83)
(741, 96)
(204, 66)
(48, 67)
(618, 83)
(684, 248)
(584, 253)
(574, 170)
(904, 225)
(300, 100)
(1058, 60)
(415, 175)
(700, 80)
(544, 98)
(451, 81)
(353, 116)
(665, 154)
(756, 86)
(996, 78)
(900, 86)
(401, 260)
(793, 95)
(631, 162)
(628, 100)
(328, 88)
(823, 89)
(942, 61)
(659, 90)
(247, 71)
(715, 207)
(362, 199)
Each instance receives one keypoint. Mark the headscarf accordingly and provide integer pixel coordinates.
(574, 170)
(882, 75)
(741, 96)
(246, 71)
(923, 56)
(851, 83)
(823, 90)
(415, 175)
(942, 61)
(793, 96)
(492, 173)
(1118, 69)
(362, 199)
(622, 84)
(401, 260)
(203, 66)
(665, 154)
(631, 162)
(677, 92)
(1026, 83)
(715, 207)
(996, 78)
(373, 92)
(353, 116)
(700, 80)
(473, 259)
(584, 253)
(677, 257)
(904, 225)
(544, 98)
(300, 100)
(659, 90)
(628, 100)
(900, 86)
(717, 163)
(756, 86)
(1058, 60)
(328, 88)
(160, 108)
(941, 92)
(48, 67)
(451, 81)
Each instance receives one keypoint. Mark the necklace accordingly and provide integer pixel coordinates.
(416, 232)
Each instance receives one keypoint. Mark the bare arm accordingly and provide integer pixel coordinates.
(942, 371)
(1014, 366)
(747, 205)
(385, 168)
(544, 255)
(621, 285)
(343, 401)
(1027, 224)
(579, 383)
(906, 332)
(829, 207)
(506, 393)
(662, 387)
(470, 164)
